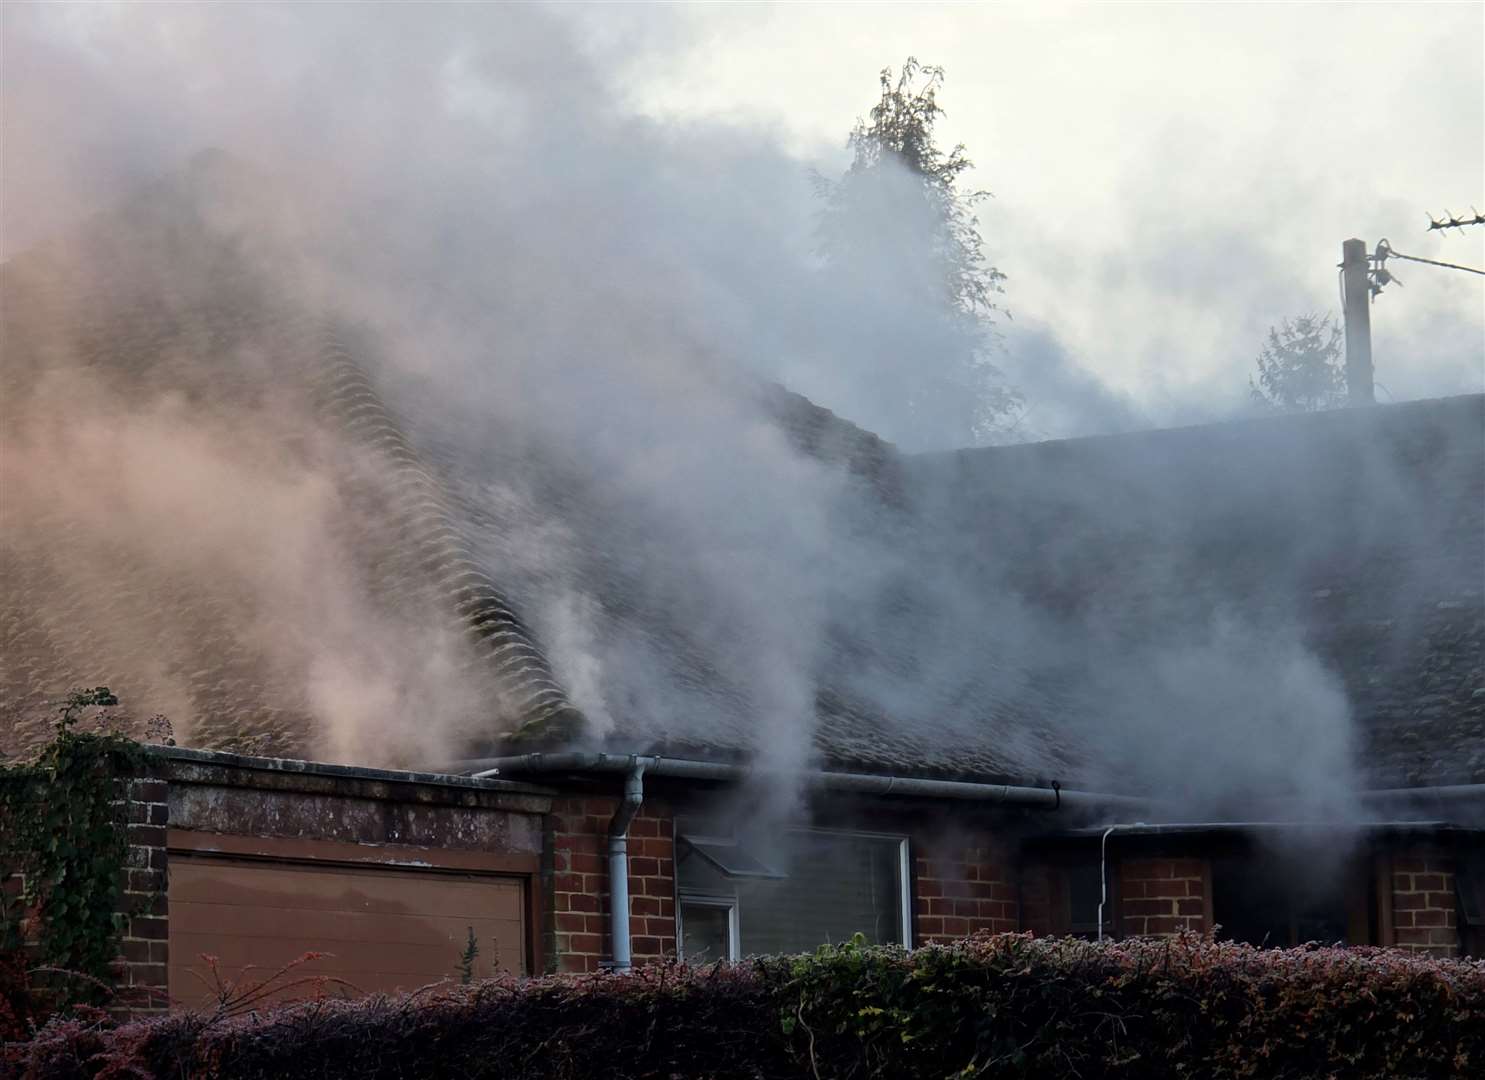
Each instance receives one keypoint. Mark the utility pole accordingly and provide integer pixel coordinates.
(1356, 294)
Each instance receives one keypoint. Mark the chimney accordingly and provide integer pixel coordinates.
(1356, 296)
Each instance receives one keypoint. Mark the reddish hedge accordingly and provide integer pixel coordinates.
(994, 1006)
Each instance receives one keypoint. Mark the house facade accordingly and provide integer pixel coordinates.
(238, 867)
(1223, 679)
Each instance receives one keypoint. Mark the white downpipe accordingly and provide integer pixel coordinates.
(1103, 876)
(1103, 869)
(618, 863)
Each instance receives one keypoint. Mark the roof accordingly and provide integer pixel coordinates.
(162, 323)
(1354, 540)
(973, 615)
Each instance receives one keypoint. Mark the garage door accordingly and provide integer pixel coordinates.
(384, 929)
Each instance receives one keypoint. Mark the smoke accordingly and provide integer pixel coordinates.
(177, 545)
(568, 308)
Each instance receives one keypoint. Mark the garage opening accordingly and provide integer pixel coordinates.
(383, 928)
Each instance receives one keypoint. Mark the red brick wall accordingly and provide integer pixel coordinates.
(580, 894)
(1158, 897)
(139, 971)
(958, 890)
(1424, 908)
(144, 947)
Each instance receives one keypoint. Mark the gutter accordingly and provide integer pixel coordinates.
(1045, 798)
(1445, 793)
(1203, 828)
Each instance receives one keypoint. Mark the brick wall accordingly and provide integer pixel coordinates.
(579, 907)
(144, 947)
(139, 971)
(1158, 897)
(961, 890)
(1424, 908)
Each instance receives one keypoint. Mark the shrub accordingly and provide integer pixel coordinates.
(1000, 1006)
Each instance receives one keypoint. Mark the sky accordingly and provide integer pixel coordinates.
(1169, 180)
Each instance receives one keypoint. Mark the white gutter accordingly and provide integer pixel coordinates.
(1046, 798)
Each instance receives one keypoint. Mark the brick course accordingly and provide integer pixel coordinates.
(139, 969)
(1161, 897)
(579, 920)
(1424, 909)
(961, 890)
(144, 948)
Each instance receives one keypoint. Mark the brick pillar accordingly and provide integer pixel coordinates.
(652, 884)
(961, 890)
(140, 971)
(580, 893)
(1424, 910)
(144, 947)
(1161, 897)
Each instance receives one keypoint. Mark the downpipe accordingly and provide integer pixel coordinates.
(618, 863)
(1103, 870)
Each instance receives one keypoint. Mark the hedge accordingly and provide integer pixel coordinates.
(1001, 1006)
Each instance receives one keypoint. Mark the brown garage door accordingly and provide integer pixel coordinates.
(385, 928)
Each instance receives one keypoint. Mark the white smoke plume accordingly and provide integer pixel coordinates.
(575, 303)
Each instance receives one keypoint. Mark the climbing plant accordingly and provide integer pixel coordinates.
(63, 815)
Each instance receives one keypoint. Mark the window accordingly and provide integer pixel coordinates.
(1085, 891)
(807, 888)
(708, 929)
(1272, 901)
(1469, 883)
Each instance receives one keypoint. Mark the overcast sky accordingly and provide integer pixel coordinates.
(1169, 180)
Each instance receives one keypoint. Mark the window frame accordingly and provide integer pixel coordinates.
(904, 888)
(734, 925)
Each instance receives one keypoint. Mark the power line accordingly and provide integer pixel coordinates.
(1385, 252)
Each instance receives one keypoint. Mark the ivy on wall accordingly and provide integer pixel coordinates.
(63, 815)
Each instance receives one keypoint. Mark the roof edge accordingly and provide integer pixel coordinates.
(296, 767)
(1046, 798)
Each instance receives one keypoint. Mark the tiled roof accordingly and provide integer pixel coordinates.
(1361, 533)
(162, 299)
(1017, 575)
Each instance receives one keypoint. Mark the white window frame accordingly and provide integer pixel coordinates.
(904, 868)
(904, 886)
(734, 942)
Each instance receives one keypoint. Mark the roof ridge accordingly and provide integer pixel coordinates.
(1381, 412)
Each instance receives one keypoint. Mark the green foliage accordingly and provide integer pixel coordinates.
(1003, 1006)
(467, 958)
(1017, 1006)
(898, 229)
(64, 815)
(1300, 367)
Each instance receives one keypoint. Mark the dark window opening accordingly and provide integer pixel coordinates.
(1085, 890)
(1276, 902)
(1469, 884)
